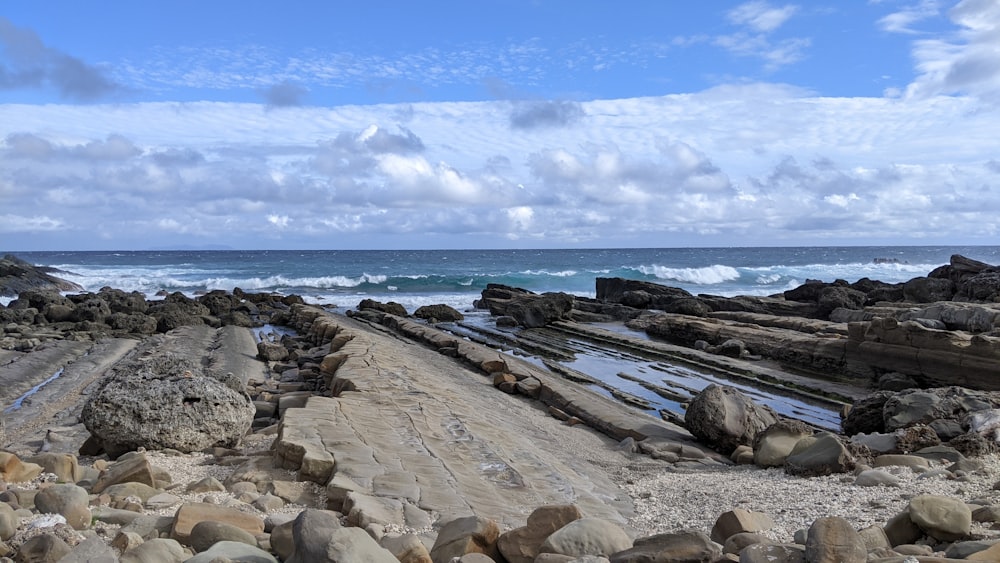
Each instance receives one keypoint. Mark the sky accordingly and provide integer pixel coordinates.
(498, 124)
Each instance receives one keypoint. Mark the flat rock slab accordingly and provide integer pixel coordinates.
(435, 435)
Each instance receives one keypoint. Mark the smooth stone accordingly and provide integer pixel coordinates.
(832, 539)
(943, 518)
(158, 550)
(587, 536)
(234, 551)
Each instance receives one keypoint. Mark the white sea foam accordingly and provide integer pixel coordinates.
(560, 274)
(701, 276)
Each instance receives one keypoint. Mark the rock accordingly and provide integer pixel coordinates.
(207, 533)
(521, 545)
(167, 402)
(876, 478)
(772, 445)
(71, 501)
(823, 454)
(409, 549)
(18, 276)
(191, 514)
(206, 485)
(587, 536)
(467, 534)
(310, 532)
(866, 415)
(767, 553)
(233, 551)
(391, 308)
(833, 540)
(439, 313)
(91, 550)
(738, 521)
(724, 418)
(350, 545)
(928, 290)
(134, 468)
(13, 470)
(536, 311)
(9, 521)
(64, 466)
(43, 548)
(158, 550)
(679, 547)
(738, 542)
(942, 518)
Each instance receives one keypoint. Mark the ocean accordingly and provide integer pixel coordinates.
(342, 278)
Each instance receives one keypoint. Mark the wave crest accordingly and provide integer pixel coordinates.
(708, 275)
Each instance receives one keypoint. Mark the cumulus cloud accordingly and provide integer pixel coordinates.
(964, 61)
(743, 164)
(28, 63)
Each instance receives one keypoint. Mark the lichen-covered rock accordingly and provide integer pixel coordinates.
(167, 402)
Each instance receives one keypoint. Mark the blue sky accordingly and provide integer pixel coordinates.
(132, 125)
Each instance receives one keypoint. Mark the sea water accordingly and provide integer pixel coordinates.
(457, 277)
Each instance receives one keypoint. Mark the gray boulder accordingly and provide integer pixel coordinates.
(440, 313)
(167, 402)
(823, 454)
(724, 418)
(535, 311)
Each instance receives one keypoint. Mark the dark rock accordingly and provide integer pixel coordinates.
(534, 311)
(686, 546)
(440, 313)
(928, 290)
(687, 306)
(18, 276)
(839, 297)
(391, 307)
(614, 289)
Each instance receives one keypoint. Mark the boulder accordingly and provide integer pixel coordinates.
(686, 546)
(738, 521)
(207, 533)
(233, 551)
(466, 534)
(440, 313)
(43, 548)
(311, 530)
(942, 518)
(724, 418)
(68, 500)
(18, 276)
(391, 308)
(823, 454)
(160, 550)
(833, 539)
(865, 415)
(521, 545)
(167, 402)
(587, 536)
(190, 515)
(774, 443)
(535, 311)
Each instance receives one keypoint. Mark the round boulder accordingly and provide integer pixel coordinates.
(724, 418)
(167, 402)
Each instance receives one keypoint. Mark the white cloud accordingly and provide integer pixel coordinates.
(743, 163)
(903, 20)
(965, 61)
(10, 223)
(761, 16)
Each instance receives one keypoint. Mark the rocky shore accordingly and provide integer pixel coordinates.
(247, 427)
